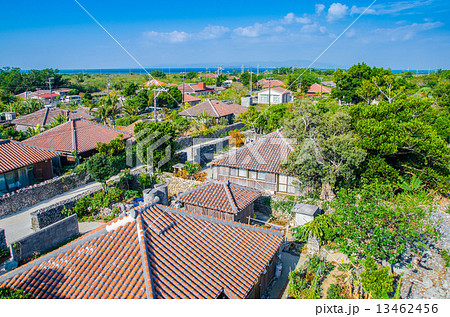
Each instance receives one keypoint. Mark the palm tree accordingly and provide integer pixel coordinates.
(107, 109)
(59, 119)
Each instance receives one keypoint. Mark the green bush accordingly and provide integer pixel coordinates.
(4, 252)
(376, 281)
(8, 293)
(446, 256)
(334, 292)
(130, 194)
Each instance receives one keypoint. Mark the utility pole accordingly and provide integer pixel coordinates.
(156, 92)
(51, 91)
(251, 83)
(39, 100)
(242, 69)
(270, 78)
(182, 98)
(321, 81)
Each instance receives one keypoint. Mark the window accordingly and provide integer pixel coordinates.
(3, 189)
(286, 184)
(261, 175)
(252, 174)
(242, 172)
(276, 99)
(233, 171)
(264, 98)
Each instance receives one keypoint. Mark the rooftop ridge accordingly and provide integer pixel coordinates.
(146, 269)
(216, 220)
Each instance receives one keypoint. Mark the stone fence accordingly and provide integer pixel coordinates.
(49, 215)
(28, 196)
(46, 239)
(185, 142)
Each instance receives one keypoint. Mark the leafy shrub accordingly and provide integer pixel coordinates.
(321, 227)
(4, 253)
(334, 292)
(446, 256)
(130, 194)
(8, 293)
(376, 281)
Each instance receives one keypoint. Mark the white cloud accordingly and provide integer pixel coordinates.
(357, 10)
(258, 29)
(319, 8)
(313, 28)
(291, 18)
(210, 32)
(337, 11)
(406, 32)
(390, 8)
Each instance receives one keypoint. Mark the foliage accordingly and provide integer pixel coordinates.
(131, 194)
(125, 179)
(34, 131)
(237, 138)
(334, 292)
(8, 132)
(108, 108)
(304, 283)
(245, 78)
(191, 75)
(446, 256)
(321, 228)
(367, 225)
(9, 293)
(130, 89)
(220, 79)
(376, 281)
(265, 121)
(101, 167)
(170, 99)
(4, 253)
(192, 171)
(115, 147)
(59, 119)
(94, 203)
(157, 73)
(442, 94)
(147, 133)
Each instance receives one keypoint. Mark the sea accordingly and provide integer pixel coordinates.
(167, 70)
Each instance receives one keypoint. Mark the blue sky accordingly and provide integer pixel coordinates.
(411, 34)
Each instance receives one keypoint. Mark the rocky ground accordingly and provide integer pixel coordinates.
(428, 277)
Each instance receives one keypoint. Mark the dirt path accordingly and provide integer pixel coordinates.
(330, 279)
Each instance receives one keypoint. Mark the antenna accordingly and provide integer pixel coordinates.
(50, 80)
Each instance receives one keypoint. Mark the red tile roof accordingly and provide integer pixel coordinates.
(273, 83)
(47, 115)
(159, 253)
(155, 82)
(281, 90)
(222, 196)
(265, 154)
(189, 98)
(78, 134)
(315, 88)
(214, 108)
(14, 155)
(194, 88)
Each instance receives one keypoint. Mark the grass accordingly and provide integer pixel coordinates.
(446, 256)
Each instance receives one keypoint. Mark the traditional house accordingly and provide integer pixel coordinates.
(276, 95)
(22, 165)
(216, 109)
(191, 100)
(46, 116)
(221, 199)
(317, 89)
(257, 165)
(199, 89)
(156, 252)
(77, 136)
(155, 82)
(265, 83)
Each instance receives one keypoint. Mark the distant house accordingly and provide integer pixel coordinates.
(221, 199)
(22, 165)
(209, 75)
(7, 116)
(258, 165)
(61, 92)
(199, 89)
(47, 98)
(155, 82)
(265, 83)
(75, 136)
(277, 95)
(317, 89)
(192, 100)
(156, 252)
(215, 108)
(46, 116)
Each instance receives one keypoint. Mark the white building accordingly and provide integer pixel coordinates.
(277, 95)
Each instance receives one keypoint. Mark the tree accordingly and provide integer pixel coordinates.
(101, 168)
(170, 99)
(237, 138)
(409, 135)
(367, 91)
(161, 136)
(157, 73)
(191, 75)
(107, 109)
(130, 89)
(113, 148)
(319, 228)
(376, 281)
(58, 120)
(442, 94)
(9, 293)
(220, 79)
(327, 153)
(245, 78)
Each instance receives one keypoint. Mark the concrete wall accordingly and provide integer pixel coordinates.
(185, 142)
(45, 239)
(204, 152)
(28, 196)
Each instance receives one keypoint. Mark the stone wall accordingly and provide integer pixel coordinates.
(204, 152)
(49, 215)
(46, 239)
(2, 239)
(185, 142)
(28, 196)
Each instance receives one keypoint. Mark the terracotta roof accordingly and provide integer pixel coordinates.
(14, 155)
(189, 98)
(155, 82)
(214, 108)
(265, 154)
(159, 253)
(281, 90)
(79, 133)
(315, 88)
(47, 115)
(273, 83)
(193, 88)
(222, 196)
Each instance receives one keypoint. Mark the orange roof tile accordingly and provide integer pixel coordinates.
(214, 108)
(175, 254)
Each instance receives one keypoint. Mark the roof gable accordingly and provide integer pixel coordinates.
(214, 108)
